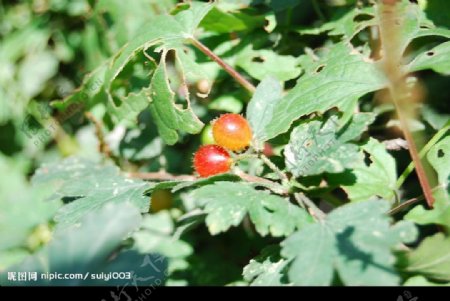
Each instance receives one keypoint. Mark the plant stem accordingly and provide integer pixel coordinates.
(230, 70)
(401, 94)
(422, 153)
(275, 187)
(274, 168)
(316, 212)
(160, 175)
(318, 11)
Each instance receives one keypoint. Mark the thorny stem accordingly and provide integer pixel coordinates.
(273, 167)
(275, 187)
(400, 93)
(230, 70)
(315, 211)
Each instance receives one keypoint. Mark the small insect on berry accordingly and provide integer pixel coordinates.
(232, 131)
(211, 160)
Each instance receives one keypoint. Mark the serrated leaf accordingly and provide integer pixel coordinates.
(317, 147)
(338, 78)
(356, 240)
(86, 249)
(92, 185)
(367, 179)
(266, 269)
(168, 116)
(227, 203)
(431, 258)
(260, 108)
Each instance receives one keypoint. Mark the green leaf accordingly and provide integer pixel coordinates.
(221, 21)
(317, 147)
(166, 32)
(336, 79)
(168, 116)
(22, 208)
(261, 63)
(374, 178)
(431, 258)
(440, 214)
(260, 108)
(439, 158)
(92, 185)
(267, 269)
(356, 240)
(227, 203)
(344, 24)
(177, 185)
(437, 59)
(422, 281)
(86, 249)
(156, 236)
(413, 23)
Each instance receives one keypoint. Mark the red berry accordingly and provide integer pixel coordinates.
(232, 131)
(211, 160)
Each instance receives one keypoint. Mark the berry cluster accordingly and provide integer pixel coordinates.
(230, 132)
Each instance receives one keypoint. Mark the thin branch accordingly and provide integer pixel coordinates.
(405, 204)
(230, 70)
(400, 93)
(103, 147)
(275, 187)
(314, 210)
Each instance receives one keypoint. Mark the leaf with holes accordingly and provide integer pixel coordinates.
(226, 204)
(317, 146)
(376, 177)
(339, 77)
(437, 59)
(356, 240)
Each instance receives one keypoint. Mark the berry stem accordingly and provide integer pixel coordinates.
(275, 169)
(230, 70)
